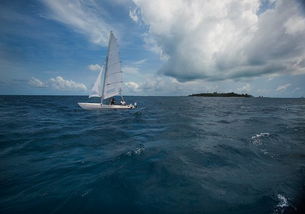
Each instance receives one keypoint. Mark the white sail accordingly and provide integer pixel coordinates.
(96, 90)
(113, 74)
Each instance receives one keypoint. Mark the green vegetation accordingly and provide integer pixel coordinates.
(216, 94)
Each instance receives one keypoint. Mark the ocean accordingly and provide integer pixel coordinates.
(171, 155)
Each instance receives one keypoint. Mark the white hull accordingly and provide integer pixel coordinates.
(99, 106)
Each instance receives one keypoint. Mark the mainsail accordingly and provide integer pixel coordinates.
(112, 79)
(113, 75)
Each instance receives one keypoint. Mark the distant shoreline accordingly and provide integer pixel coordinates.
(216, 94)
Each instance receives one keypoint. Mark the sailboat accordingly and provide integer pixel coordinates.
(109, 81)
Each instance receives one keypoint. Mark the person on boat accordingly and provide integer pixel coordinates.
(123, 102)
(112, 101)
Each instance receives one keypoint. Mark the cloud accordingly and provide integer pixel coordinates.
(294, 25)
(140, 62)
(62, 84)
(132, 87)
(95, 67)
(217, 40)
(133, 14)
(152, 45)
(296, 89)
(130, 69)
(156, 85)
(282, 87)
(245, 88)
(84, 17)
(37, 83)
(58, 83)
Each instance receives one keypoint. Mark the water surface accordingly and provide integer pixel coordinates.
(172, 155)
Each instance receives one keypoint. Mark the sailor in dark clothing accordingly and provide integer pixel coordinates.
(112, 101)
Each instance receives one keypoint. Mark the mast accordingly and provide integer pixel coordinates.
(106, 68)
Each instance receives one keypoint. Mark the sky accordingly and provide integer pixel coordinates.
(167, 47)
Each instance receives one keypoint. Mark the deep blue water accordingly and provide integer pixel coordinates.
(172, 155)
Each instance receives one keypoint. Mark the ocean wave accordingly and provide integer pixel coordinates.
(86, 193)
(176, 155)
(282, 204)
(257, 139)
(136, 151)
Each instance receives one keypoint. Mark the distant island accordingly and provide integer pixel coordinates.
(216, 94)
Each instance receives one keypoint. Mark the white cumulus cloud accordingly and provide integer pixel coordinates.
(37, 83)
(132, 86)
(133, 15)
(217, 40)
(294, 25)
(58, 83)
(61, 84)
(95, 67)
(130, 69)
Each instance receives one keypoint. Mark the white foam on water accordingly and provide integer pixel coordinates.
(139, 151)
(136, 151)
(256, 139)
(264, 134)
(265, 152)
(85, 193)
(283, 202)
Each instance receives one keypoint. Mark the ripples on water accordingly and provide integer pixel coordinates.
(172, 155)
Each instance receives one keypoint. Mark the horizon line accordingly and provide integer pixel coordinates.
(66, 95)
